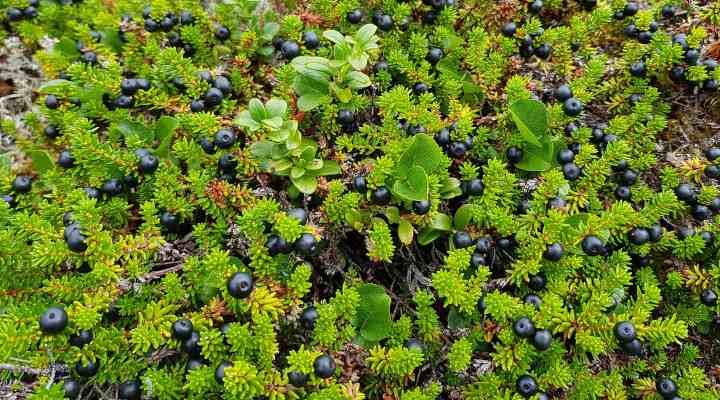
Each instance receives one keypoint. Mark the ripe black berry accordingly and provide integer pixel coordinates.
(191, 345)
(668, 11)
(514, 155)
(381, 196)
(701, 212)
(708, 297)
(484, 244)
(22, 184)
(644, 37)
(637, 69)
(478, 259)
(359, 184)
(129, 390)
(220, 371)
(290, 49)
(225, 138)
(535, 7)
(572, 107)
(593, 246)
(686, 193)
(571, 171)
(434, 55)
(462, 240)
(457, 149)
(526, 386)
(633, 347)
(543, 51)
(639, 236)
(442, 138)
(306, 244)
(197, 106)
(624, 331)
(384, 23)
(81, 338)
(524, 328)
(222, 33)
(309, 316)
(213, 97)
(74, 239)
(563, 92)
(554, 252)
(276, 245)
(565, 156)
(345, 117)
(474, 187)
(666, 388)
(240, 285)
(297, 378)
(112, 187)
(52, 102)
(148, 164)
(223, 84)
(311, 40)
(182, 329)
(53, 320)
(355, 16)
(324, 366)
(129, 87)
(415, 344)
(421, 207)
(542, 340)
(170, 221)
(71, 387)
(537, 282)
(88, 370)
(298, 213)
(509, 29)
(533, 299)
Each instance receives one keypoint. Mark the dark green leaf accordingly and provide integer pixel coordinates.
(373, 313)
(531, 119)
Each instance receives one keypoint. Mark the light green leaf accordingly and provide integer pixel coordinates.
(246, 120)
(164, 129)
(276, 108)
(441, 222)
(297, 172)
(273, 123)
(132, 128)
(257, 110)
(334, 36)
(428, 235)
(463, 215)
(305, 183)
(423, 152)
(414, 186)
(41, 160)
(309, 101)
(531, 119)
(365, 33)
(270, 30)
(405, 232)
(373, 313)
(357, 80)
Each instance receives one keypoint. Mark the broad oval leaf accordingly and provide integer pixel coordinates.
(531, 119)
(276, 108)
(373, 313)
(306, 183)
(405, 232)
(257, 110)
(463, 216)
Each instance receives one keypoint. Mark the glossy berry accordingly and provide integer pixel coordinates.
(624, 331)
(225, 138)
(170, 221)
(129, 390)
(593, 246)
(543, 51)
(571, 171)
(53, 320)
(637, 69)
(565, 156)
(686, 193)
(701, 212)
(483, 244)
(360, 184)
(639, 236)
(442, 138)
(290, 49)
(526, 386)
(22, 184)
(542, 340)
(563, 92)
(223, 84)
(213, 97)
(457, 149)
(478, 259)
(222, 33)
(66, 159)
(474, 187)
(537, 282)
(509, 29)
(644, 37)
(148, 164)
(220, 371)
(311, 40)
(298, 213)
(297, 378)
(462, 240)
(554, 252)
(240, 285)
(384, 23)
(191, 345)
(182, 329)
(533, 299)
(535, 7)
(306, 245)
(421, 207)
(666, 388)
(112, 187)
(345, 117)
(14, 14)
(655, 232)
(712, 153)
(129, 87)
(355, 16)
(71, 387)
(276, 245)
(514, 155)
(524, 328)
(75, 240)
(87, 370)
(309, 316)
(52, 102)
(324, 366)
(633, 347)
(572, 107)
(81, 338)
(712, 171)
(51, 132)
(708, 297)
(434, 55)
(197, 106)
(381, 196)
